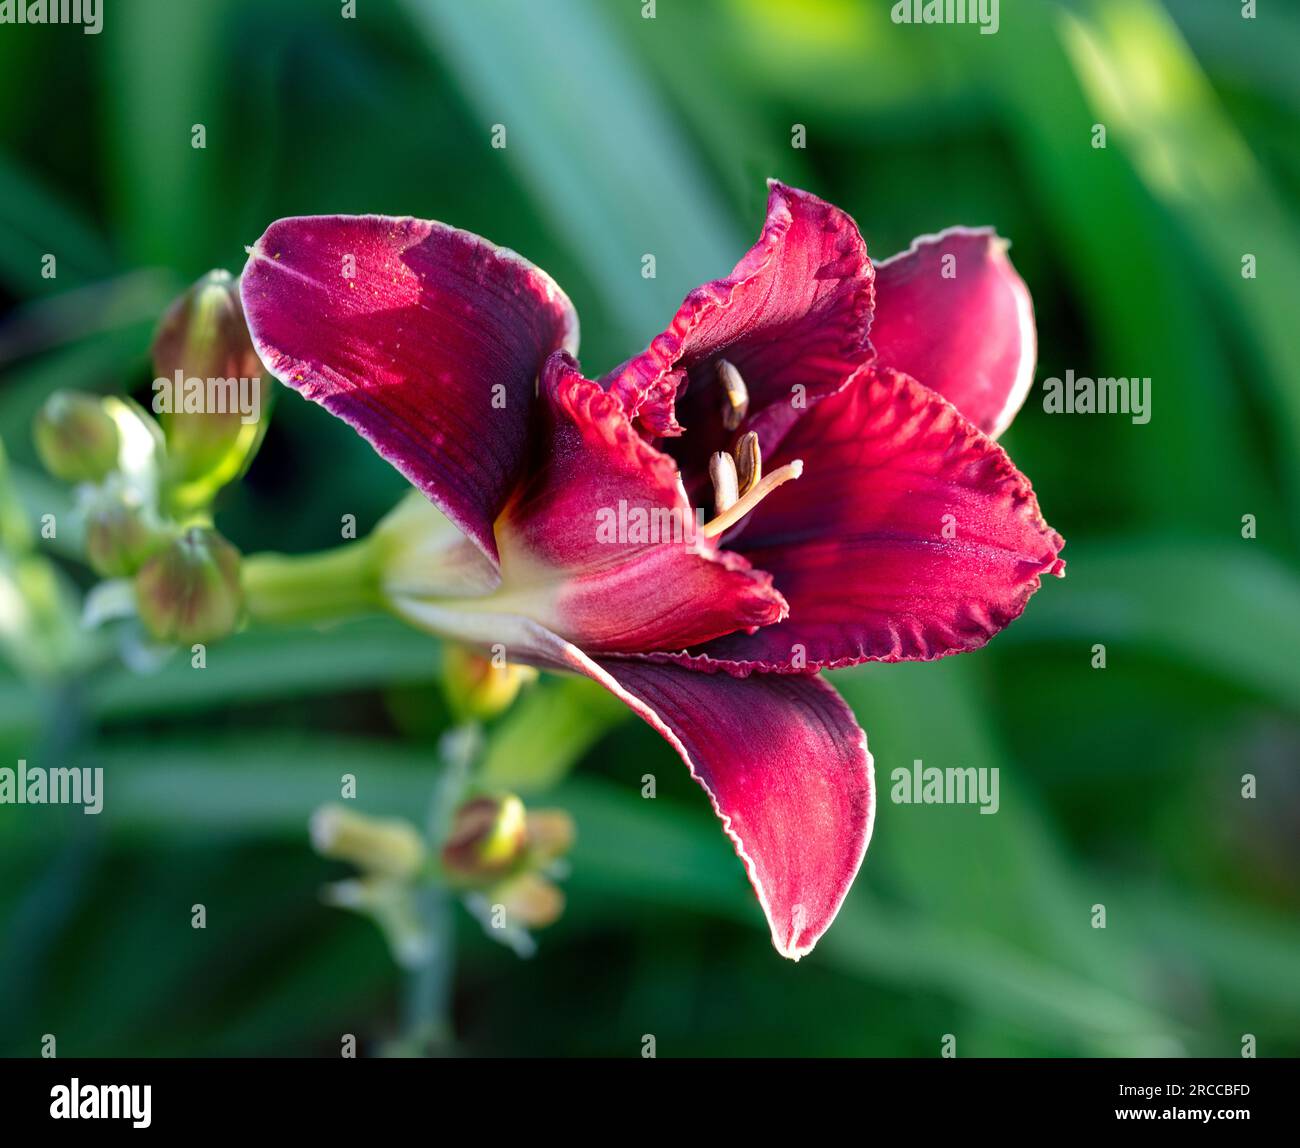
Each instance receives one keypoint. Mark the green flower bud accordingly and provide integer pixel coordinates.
(210, 386)
(39, 635)
(489, 836)
(379, 846)
(189, 591)
(76, 438)
(478, 686)
(122, 531)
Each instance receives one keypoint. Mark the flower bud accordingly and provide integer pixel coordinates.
(122, 531)
(530, 900)
(76, 438)
(550, 835)
(479, 686)
(189, 591)
(385, 847)
(209, 386)
(488, 838)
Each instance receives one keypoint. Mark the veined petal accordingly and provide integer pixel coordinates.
(952, 313)
(911, 535)
(784, 762)
(792, 317)
(426, 339)
(599, 544)
(787, 769)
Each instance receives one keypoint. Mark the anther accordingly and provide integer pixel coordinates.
(737, 404)
(722, 470)
(749, 461)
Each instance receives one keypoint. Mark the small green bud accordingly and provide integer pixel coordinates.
(209, 386)
(189, 591)
(382, 847)
(122, 531)
(478, 686)
(488, 838)
(76, 438)
(39, 635)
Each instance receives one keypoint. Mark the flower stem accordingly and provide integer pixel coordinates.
(325, 586)
(427, 1028)
(427, 1023)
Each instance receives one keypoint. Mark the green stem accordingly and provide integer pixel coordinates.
(427, 1028)
(325, 586)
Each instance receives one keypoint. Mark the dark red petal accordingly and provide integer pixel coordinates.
(600, 544)
(781, 756)
(911, 535)
(787, 769)
(430, 347)
(793, 314)
(952, 313)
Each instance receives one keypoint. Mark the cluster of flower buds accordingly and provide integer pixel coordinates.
(391, 858)
(480, 686)
(502, 858)
(507, 857)
(145, 484)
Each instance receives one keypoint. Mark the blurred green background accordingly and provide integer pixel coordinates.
(629, 135)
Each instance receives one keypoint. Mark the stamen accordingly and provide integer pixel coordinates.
(749, 461)
(759, 491)
(722, 470)
(737, 405)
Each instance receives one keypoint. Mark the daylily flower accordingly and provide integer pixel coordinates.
(854, 505)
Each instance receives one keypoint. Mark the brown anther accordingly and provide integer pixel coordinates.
(726, 493)
(737, 395)
(749, 462)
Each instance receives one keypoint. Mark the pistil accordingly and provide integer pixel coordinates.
(759, 491)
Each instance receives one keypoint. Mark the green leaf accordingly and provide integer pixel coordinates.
(630, 848)
(34, 222)
(656, 851)
(262, 664)
(1251, 955)
(1132, 276)
(594, 143)
(1229, 610)
(161, 68)
(1140, 76)
(1257, 54)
